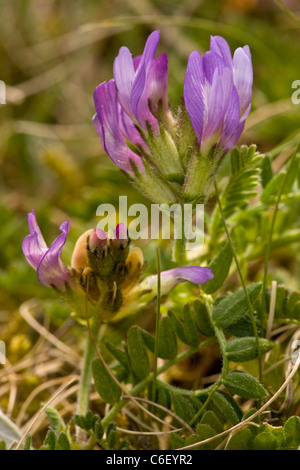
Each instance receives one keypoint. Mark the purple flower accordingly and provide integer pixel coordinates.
(46, 261)
(171, 278)
(130, 101)
(217, 94)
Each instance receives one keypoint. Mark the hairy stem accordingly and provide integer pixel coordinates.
(86, 375)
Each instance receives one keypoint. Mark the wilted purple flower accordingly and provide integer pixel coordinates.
(217, 94)
(131, 99)
(46, 261)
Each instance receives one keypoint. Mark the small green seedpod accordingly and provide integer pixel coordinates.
(244, 349)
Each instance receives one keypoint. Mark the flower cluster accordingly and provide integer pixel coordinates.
(103, 269)
(174, 158)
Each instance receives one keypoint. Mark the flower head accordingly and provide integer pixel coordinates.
(174, 159)
(217, 97)
(217, 94)
(103, 269)
(47, 261)
(133, 120)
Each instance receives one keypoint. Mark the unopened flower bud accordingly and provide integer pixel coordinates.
(97, 240)
(79, 259)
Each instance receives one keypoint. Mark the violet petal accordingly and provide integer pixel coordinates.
(51, 270)
(194, 86)
(143, 70)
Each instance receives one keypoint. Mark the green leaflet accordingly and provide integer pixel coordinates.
(107, 388)
(244, 385)
(183, 407)
(220, 266)
(202, 319)
(230, 309)
(242, 184)
(167, 342)
(190, 327)
(138, 356)
(225, 407)
(118, 354)
(244, 349)
(292, 433)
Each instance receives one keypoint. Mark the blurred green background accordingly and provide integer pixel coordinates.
(52, 56)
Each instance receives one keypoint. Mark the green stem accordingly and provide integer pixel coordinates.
(250, 307)
(157, 325)
(142, 385)
(86, 375)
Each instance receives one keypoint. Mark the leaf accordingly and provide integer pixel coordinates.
(27, 442)
(233, 307)
(203, 432)
(190, 327)
(292, 433)
(264, 441)
(183, 407)
(107, 388)
(244, 349)
(293, 171)
(98, 429)
(244, 385)
(226, 407)
(163, 397)
(266, 171)
(270, 193)
(62, 442)
(292, 300)
(177, 326)
(167, 341)
(111, 434)
(220, 266)
(176, 441)
(241, 187)
(85, 422)
(211, 419)
(56, 422)
(243, 327)
(118, 354)
(148, 339)
(202, 319)
(281, 300)
(241, 441)
(8, 431)
(50, 441)
(138, 356)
